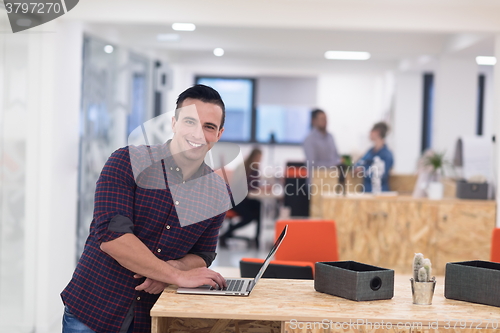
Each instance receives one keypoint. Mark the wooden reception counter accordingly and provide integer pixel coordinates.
(387, 231)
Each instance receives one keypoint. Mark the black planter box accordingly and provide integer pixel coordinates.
(466, 190)
(354, 280)
(473, 281)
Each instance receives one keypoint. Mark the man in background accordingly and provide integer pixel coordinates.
(319, 145)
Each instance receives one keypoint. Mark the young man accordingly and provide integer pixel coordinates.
(319, 145)
(154, 223)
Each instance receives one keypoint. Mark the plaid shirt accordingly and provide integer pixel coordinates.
(134, 194)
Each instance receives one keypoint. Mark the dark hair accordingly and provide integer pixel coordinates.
(314, 114)
(251, 158)
(202, 93)
(381, 128)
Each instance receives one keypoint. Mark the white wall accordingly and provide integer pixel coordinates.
(407, 125)
(45, 85)
(353, 103)
(455, 104)
(496, 122)
(57, 168)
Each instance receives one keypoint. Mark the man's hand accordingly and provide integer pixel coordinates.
(150, 286)
(200, 276)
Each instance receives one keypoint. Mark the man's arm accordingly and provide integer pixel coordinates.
(131, 253)
(310, 156)
(113, 228)
(335, 153)
(189, 261)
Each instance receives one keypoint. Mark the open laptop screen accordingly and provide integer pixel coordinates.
(270, 255)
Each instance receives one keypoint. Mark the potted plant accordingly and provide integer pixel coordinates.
(435, 161)
(422, 285)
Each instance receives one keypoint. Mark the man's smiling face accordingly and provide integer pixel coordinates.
(196, 130)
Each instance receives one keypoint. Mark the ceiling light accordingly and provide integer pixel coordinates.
(168, 37)
(488, 61)
(183, 26)
(218, 52)
(108, 49)
(347, 55)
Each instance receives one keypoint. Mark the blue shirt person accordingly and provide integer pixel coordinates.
(377, 136)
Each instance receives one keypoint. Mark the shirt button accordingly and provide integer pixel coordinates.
(177, 202)
(168, 227)
(176, 169)
(159, 250)
(138, 298)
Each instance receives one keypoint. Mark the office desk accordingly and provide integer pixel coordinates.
(293, 306)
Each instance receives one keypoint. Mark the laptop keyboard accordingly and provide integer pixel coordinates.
(232, 285)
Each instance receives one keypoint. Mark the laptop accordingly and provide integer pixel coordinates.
(237, 287)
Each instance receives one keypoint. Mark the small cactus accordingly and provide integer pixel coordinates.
(422, 274)
(422, 268)
(418, 262)
(428, 268)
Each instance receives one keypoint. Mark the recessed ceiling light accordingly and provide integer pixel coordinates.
(108, 49)
(218, 52)
(168, 37)
(183, 26)
(487, 61)
(347, 55)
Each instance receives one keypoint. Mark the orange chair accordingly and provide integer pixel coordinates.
(495, 245)
(306, 242)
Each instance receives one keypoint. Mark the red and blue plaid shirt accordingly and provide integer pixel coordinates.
(133, 187)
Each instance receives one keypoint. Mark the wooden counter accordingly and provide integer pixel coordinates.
(387, 231)
(328, 181)
(293, 306)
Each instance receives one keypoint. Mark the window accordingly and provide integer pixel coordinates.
(260, 109)
(287, 124)
(238, 97)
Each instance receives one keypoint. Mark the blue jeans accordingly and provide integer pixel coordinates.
(72, 325)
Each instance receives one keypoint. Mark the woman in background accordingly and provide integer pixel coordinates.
(379, 153)
(248, 209)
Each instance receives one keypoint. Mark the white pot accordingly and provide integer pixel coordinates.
(435, 191)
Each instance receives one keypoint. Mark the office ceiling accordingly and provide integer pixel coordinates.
(358, 15)
(299, 44)
(391, 30)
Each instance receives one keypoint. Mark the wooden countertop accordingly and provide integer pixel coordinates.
(286, 300)
(405, 198)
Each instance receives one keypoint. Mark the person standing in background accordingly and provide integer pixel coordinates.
(319, 145)
(380, 150)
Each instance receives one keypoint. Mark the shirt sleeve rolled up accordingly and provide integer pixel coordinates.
(114, 198)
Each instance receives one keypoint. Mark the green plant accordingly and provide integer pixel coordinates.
(435, 160)
(422, 268)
